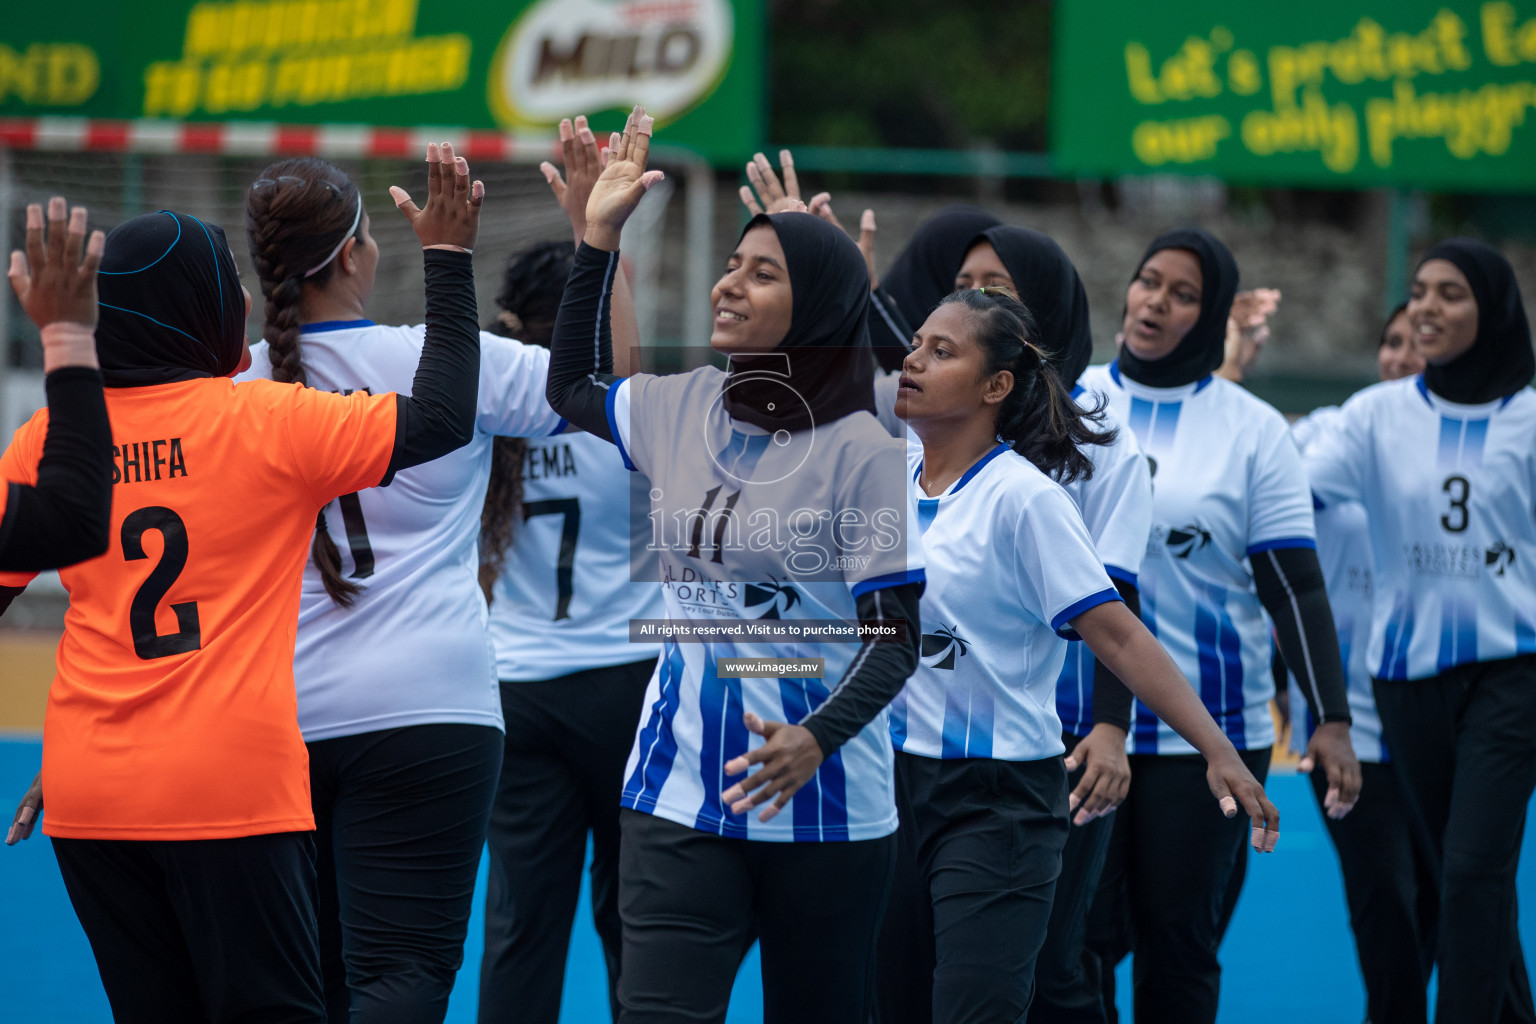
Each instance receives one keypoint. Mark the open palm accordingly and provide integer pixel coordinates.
(622, 184)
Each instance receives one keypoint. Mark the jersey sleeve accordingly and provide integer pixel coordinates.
(512, 380)
(340, 443)
(1279, 498)
(1334, 456)
(875, 523)
(18, 465)
(1059, 572)
(654, 418)
(1117, 506)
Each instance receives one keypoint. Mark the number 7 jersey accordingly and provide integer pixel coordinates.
(1450, 491)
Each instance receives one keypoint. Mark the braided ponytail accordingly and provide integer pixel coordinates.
(529, 299)
(1038, 418)
(294, 216)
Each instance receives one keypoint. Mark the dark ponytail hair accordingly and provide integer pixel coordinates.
(296, 213)
(1038, 418)
(530, 295)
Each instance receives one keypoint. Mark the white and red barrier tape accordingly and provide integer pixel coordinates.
(248, 138)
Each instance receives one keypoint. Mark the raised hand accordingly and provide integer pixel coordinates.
(1233, 785)
(1247, 331)
(584, 162)
(789, 759)
(772, 195)
(619, 189)
(51, 281)
(451, 219)
(821, 206)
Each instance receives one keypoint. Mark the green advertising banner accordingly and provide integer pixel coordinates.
(512, 65)
(1410, 93)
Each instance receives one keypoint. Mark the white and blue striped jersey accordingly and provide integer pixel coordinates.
(1116, 505)
(1449, 490)
(1010, 564)
(750, 525)
(564, 599)
(1344, 551)
(413, 649)
(1227, 483)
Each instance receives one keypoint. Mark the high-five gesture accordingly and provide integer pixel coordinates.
(451, 219)
(50, 280)
(622, 184)
(583, 163)
(772, 195)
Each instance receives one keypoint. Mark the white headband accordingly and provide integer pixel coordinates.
(357, 219)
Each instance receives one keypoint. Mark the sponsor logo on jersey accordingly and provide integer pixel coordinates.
(1185, 540)
(1462, 561)
(1499, 557)
(941, 647)
(772, 598)
(565, 55)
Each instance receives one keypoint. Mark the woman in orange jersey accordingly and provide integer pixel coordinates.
(176, 778)
(62, 519)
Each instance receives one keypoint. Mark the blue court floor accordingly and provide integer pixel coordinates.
(1288, 956)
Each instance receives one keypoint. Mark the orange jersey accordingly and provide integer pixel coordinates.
(172, 714)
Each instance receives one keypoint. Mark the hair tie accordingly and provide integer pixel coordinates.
(357, 219)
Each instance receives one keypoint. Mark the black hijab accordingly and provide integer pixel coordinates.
(826, 352)
(925, 271)
(1199, 353)
(1500, 361)
(1048, 285)
(171, 306)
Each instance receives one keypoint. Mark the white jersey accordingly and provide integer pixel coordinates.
(564, 599)
(742, 531)
(1452, 535)
(1344, 550)
(1116, 505)
(413, 649)
(1227, 483)
(1010, 564)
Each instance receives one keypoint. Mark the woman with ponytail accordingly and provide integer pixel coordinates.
(1232, 539)
(1012, 575)
(397, 696)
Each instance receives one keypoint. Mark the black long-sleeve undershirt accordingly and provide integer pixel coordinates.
(878, 671)
(581, 350)
(439, 414)
(1290, 586)
(66, 517)
(1112, 699)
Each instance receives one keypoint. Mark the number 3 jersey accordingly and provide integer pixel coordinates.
(564, 598)
(752, 527)
(414, 648)
(1449, 491)
(171, 715)
(1227, 486)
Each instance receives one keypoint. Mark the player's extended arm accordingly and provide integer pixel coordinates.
(1119, 639)
(65, 517)
(1290, 585)
(439, 415)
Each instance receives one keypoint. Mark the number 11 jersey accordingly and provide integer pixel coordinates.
(1449, 492)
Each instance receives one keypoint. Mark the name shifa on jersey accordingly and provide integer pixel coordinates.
(1453, 536)
(1227, 484)
(1010, 564)
(722, 500)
